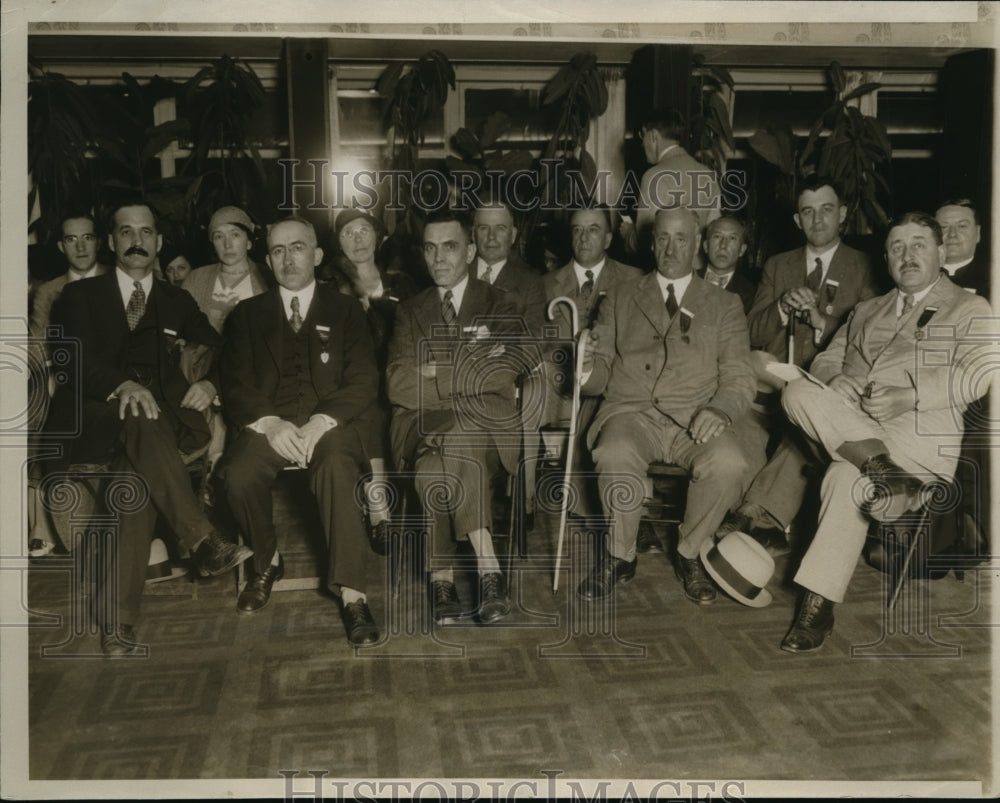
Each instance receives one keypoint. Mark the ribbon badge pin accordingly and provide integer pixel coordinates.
(925, 318)
(830, 289)
(686, 318)
(323, 332)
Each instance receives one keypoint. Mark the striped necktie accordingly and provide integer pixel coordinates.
(587, 287)
(296, 320)
(448, 309)
(815, 275)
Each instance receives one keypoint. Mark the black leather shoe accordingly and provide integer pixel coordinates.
(647, 540)
(607, 571)
(359, 623)
(812, 626)
(493, 604)
(215, 556)
(698, 586)
(121, 642)
(378, 535)
(258, 589)
(895, 491)
(445, 603)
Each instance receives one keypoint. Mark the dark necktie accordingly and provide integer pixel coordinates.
(671, 300)
(296, 320)
(448, 309)
(587, 287)
(487, 275)
(813, 279)
(136, 306)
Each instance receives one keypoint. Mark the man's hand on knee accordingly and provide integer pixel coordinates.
(314, 429)
(286, 439)
(134, 397)
(847, 386)
(707, 424)
(199, 396)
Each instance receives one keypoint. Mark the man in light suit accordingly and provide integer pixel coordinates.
(819, 284)
(671, 355)
(454, 418)
(724, 243)
(586, 280)
(137, 408)
(298, 371)
(886, 414)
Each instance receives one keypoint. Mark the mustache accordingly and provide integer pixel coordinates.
(137, 249)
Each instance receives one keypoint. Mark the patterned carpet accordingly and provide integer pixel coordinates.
(649, 686)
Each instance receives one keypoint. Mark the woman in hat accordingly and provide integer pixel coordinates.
(379, 290)
(219, 287)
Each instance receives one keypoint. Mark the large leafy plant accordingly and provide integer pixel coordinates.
(711, 132)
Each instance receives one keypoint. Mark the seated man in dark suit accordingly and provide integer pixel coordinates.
(671, 355)
(819, 284)
(725, 242)
(137, 406)
(454, 418)
(298, 370)
(585, 280)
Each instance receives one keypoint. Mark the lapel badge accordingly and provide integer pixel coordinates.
(686, 318)
(828, 309)
(323, 332)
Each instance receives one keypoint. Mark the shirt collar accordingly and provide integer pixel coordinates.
(581, 272)
(956, 266)
(680, 286)
(75, 276)
(666, 150)
(826, 256)
(726, 276)
(496, 268)
(305, 296)
(457, 293)
(917, 297)
(126, 284)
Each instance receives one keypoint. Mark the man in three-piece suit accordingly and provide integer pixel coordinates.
(586, 280)
(889, 414)
(454, 414)
(137, 407)
(818, 284)
(725, 241)
(670, 353)
(298, 370)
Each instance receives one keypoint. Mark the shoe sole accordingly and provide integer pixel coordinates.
(175, 573)
(620, 581)
(241, 556)
(494, 617)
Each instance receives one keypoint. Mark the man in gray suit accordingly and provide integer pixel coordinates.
(818, 284)
(671, 355)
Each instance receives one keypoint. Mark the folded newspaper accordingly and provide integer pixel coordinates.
(789, 371)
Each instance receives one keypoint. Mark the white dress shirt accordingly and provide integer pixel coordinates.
(495, 269)
(126, 284)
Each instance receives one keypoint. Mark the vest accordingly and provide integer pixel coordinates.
(142, 355)
(296, 397)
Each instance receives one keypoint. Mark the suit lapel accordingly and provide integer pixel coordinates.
(474, 302)
(114, 302)
(428, 311)
(272, 326)
(692, 302)
(649, 300)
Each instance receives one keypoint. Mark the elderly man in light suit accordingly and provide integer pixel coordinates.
(885, 414)
(671, 355)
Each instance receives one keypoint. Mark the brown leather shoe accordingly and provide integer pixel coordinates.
(257, 592)
(359, 623)
(698, 586)
(215, 556)
(812, 625)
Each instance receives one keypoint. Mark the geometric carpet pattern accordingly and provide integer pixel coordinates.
(650, 686)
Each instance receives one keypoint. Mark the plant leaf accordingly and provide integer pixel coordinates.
(864, 89)
(495, 126)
